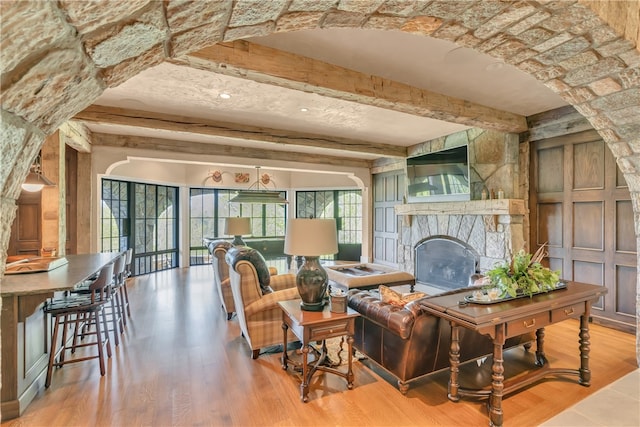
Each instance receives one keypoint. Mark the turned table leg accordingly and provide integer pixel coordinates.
(541, 358)
(454, 363)
(585, 348)
(497, 377)
(285, 356)
(304, 385)
(350, 375)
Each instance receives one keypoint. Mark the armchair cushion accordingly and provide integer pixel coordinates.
(238, 253)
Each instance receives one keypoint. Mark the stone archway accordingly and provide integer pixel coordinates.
(57, 57)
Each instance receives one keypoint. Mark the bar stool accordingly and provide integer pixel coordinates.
(115, 310)
(125, 293)
(80, 312)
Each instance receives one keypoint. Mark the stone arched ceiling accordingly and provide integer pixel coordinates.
(57, 57)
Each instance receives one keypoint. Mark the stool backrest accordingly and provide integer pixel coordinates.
(127, 263)
(119, 268)
(101, 287)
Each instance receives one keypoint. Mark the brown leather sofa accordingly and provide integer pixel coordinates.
(408, 342)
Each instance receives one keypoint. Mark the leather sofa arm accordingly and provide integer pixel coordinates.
(399, 320)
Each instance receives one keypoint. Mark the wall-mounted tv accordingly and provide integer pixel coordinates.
(439, 176)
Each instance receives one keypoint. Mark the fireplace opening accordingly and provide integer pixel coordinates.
(445, 263)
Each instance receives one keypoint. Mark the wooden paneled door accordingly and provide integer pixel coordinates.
(26, 230)
(388, 191)
(580, 205)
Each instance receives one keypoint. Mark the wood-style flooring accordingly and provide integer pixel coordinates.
(181, 363)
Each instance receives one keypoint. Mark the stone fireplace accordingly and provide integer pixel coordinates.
(489, 230)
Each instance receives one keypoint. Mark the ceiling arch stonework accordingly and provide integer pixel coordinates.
(58, 57)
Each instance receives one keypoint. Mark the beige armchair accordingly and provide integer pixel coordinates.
(218, 250)
(256, 294)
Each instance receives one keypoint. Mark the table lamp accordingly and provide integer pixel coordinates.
(237, 227)
(311, 238)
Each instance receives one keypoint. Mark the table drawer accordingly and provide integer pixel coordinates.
(560, 314)
(527, 324)
(321, 332)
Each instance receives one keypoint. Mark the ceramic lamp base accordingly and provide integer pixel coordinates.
(312, 282)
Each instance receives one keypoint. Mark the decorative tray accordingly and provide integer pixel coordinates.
(485, 299)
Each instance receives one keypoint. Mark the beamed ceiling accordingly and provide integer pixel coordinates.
(368, 94)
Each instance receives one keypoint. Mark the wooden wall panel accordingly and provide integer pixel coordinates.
(388, 192)
(575, 178)
(588, 165)
(625, 295)
(625, 230)
(551, 164)
(590, 272)
(550, 224)
(588, 225)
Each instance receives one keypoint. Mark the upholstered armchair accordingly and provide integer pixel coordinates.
(218, 250)
(256, 294)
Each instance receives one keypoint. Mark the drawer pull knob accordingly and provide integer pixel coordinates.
(531, 324)
(330, 331)
(568, 311)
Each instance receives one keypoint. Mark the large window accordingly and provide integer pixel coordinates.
(114, 217)
(153, 211)
(343, 205)
(208, 209)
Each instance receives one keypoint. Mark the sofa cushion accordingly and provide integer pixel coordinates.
(397, 319)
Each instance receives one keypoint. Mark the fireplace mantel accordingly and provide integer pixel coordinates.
(471, 207)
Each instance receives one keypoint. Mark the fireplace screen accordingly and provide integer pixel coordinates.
(444, 263)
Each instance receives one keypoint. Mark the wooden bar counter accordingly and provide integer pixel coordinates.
(25, 328)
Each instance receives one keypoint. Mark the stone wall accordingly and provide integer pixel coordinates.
(494, 163)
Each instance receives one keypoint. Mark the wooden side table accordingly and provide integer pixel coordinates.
(510, 318)
(314, 326)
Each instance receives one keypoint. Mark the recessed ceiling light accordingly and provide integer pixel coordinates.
(304, 109)
(224, 95)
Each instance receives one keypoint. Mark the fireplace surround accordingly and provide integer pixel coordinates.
(490, 230)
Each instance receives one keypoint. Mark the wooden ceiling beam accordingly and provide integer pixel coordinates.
(199, 148)
(266, 65)
(194, 125)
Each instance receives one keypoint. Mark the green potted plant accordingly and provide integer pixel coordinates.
(522, 275)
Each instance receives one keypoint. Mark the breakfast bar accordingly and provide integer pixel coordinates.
(25, 328)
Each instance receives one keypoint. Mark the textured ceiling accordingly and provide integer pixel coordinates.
(423, 62)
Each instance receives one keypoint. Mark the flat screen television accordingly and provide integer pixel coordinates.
(439, 176)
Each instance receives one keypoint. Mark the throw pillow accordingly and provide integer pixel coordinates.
(399, 299)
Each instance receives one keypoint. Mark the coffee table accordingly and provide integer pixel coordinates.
(511, 318)
(315, 326)
(367, 276)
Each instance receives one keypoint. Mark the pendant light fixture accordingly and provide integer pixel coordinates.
(258, 193)
(36, 180)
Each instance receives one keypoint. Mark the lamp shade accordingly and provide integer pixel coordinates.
(311, 237)
(237, 226)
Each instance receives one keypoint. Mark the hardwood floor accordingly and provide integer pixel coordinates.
(180, 363)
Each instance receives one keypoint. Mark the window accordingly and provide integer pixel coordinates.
(343, 205)
(208, 211)
(114, 218)
(153, 211)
